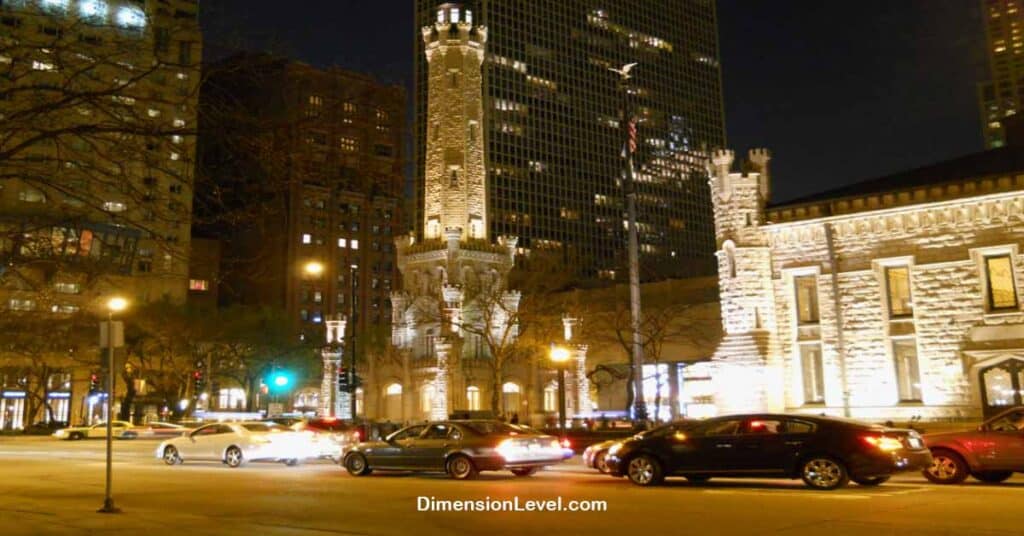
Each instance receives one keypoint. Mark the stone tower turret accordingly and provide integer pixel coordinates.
(745, 360)
(456, 190)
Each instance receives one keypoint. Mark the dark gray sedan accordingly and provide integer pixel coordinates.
(460, 448)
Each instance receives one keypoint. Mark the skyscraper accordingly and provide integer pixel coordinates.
(1000, 96)
(553, 129)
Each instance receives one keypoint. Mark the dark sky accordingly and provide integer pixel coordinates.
(839, 91)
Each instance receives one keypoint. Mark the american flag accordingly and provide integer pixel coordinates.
(631, 130)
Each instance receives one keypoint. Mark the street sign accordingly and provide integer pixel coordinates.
(118, 329)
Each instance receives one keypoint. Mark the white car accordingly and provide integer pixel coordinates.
(160, 429)
(119, 430)
(237, 443)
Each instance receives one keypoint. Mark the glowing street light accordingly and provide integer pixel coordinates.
(560, 356)
(313, 268)
(115, 304)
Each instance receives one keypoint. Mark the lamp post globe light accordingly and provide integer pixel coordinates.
(560, 356)
(115, 304)
(313, 268)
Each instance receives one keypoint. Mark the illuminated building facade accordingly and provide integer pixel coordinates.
(888, 299)
(551, 124)
(1000, 96)
(100, 201)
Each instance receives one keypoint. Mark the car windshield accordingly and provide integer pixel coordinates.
(264, 427)
(496, 428)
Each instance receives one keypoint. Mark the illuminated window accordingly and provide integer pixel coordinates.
(114, 206)
(31, 195)
(92, 10)
(393, 389)
(198, 284)
(813, 373)
(427, 398)
(67, 288)
(473, 398)
(806, 299)
(42, 66)
(131, 18)
(1001, 291)
(307, 238)
(315, 104)
(354, 243)
(908, 375)
(551, 397)
(348, 145)
(55, 6)
(897, 280)
(16, 304)
(342, 243)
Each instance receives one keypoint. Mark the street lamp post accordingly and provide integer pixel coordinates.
(560, 357)
(114, 305)
(352, 355)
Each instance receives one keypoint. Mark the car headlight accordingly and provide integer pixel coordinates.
(614, 449)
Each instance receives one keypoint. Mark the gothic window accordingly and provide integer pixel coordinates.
(908, 374)
(455, 178)
(806, 299)
(813, 373)
(1001, 291)
(897, 282)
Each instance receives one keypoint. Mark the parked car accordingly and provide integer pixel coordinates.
(333, 436)
(991, 453)
(825, 452)
(236, 444)
(119, 430)
(594, 455)
(460, 448)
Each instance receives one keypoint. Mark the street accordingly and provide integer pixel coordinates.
(55, 487)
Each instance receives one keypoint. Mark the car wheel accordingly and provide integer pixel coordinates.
(824, 473)
(644, 470)
(129, 435)
(233, 457)
(601, 462)
(75, 436)
(871, 481)
(525, 471)
(356, 464)
(460, 467)
(698, 479)
(992, 477)
(171, 455)
(947, 468)
(291, 462)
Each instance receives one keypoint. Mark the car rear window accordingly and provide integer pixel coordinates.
(334, 426)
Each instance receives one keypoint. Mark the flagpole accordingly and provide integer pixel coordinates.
(629, 185)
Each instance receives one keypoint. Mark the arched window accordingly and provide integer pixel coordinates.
(473, 398)
(730, 258)
(393, 389)
(510, 387)
(551, 397)
(427, 398)
(510, 397)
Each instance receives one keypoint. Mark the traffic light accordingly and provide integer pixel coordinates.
(94, 383)
(198, 377)
(343, 379)
(280, 381)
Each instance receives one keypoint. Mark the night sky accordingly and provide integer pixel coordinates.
(839, 91)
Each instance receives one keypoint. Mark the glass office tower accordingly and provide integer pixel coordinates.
(554, 131)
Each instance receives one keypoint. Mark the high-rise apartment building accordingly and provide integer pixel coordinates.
(97, 118)
(314, 159)
(1000, 96)
(554, 134)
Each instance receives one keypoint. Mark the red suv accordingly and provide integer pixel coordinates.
(991, 453)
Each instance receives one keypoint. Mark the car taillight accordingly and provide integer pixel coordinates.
(356, 435)
(883, 442)
(566, 444)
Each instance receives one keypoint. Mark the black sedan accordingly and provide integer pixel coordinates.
(826, 452)
(460, 448)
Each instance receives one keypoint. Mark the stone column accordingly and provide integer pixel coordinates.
(332, 355)
(439, 405)
(582, 393)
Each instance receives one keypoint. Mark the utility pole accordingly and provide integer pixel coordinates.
(352, 356)
(629, 187)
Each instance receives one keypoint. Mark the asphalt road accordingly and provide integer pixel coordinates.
(54, 487)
